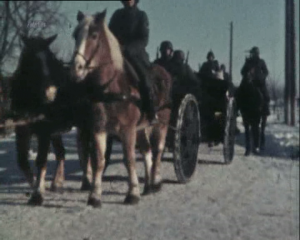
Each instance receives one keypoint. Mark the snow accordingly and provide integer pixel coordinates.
(255, 197)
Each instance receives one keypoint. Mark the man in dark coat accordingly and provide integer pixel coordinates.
(261, 73)
(210, 67)
(166, 52)
(185, 81)
(130, 26)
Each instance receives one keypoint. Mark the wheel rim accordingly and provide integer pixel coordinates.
(189, 139)
(230, 132)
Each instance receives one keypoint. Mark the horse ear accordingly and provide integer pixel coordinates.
(51, 39)
(80, 16)
(99, 17)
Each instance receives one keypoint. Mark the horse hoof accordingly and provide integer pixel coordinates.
(85, 186)
(131, 200)
(156, 187)
(147, 191)
(256, 151)
(36, 199)
(247, 153)
(94, 202)
(56, 189)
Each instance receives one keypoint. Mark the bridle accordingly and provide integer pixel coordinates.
(107, 97)
(88, 61)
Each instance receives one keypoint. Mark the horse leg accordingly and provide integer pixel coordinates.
(41, 163)
(83, 145)
(108, 151)
(129, 141)
(23, 137)
(59, 151)
(145, 150)
(255, 134)
(262, 133)
(159, 141)
(247, 138)
(98, 163)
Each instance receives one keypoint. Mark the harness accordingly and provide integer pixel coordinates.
(99, 93)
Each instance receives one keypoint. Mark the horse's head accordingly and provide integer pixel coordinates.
(95, 46)
(36, 79)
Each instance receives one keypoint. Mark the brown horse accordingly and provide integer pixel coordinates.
(37, 78)
(98, 62)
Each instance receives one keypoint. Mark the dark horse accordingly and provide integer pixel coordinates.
(35, 84)
(251, 105)
(99, 63)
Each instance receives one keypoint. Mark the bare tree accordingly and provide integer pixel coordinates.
(276, 89)
(27, 18)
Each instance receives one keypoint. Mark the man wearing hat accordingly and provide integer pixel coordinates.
(184, 77)
(130, 26)
(166, 52)
(210, 67)
(261, 73)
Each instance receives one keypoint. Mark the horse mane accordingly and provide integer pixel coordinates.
(114, 47)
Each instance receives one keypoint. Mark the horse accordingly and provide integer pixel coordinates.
(250, 102)
(115, 108)
(34, 87)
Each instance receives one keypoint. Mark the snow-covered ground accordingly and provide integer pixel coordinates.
(255, 197)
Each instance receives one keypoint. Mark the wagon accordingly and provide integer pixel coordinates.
(201, 116)
(206, 115)
(218, 115)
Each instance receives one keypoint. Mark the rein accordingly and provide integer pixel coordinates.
(88, 61)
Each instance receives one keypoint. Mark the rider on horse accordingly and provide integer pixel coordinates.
(261, 73)
(130, 26)
(210, 67)
(166, 51)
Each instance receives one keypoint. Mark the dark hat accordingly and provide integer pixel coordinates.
(254, 50)
(209, 54)
(166, 45)
(136, 1)
(179, 55)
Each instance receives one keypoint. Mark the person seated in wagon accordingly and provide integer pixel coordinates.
(166, 52)
(184, 79)
(210, 68)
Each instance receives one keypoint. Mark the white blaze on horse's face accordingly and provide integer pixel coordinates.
(42, 56)
(50, 92)
(79, 69)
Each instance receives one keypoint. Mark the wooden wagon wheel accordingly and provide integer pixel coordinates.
(229, 133)
(187, 139)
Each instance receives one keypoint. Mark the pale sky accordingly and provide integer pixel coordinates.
(201, 25)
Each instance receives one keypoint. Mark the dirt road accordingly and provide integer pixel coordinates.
(254, 198)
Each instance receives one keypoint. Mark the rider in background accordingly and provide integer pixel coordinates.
(130, 26)
(166, 52)
(210, 67)
(261, 73)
